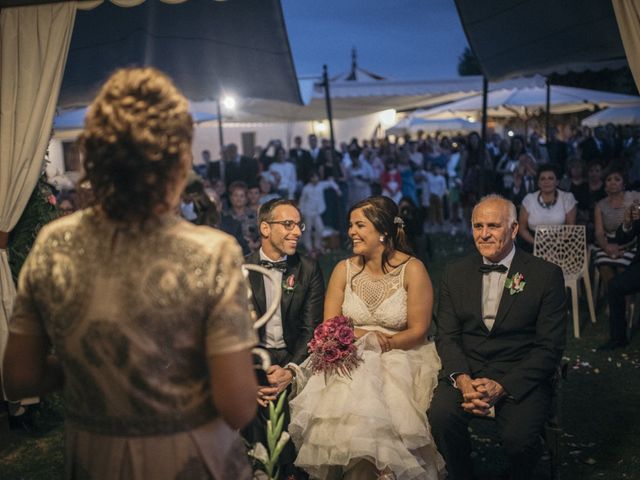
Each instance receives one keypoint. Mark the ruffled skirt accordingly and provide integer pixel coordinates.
(378, 415)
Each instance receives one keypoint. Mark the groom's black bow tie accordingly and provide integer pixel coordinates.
(493, 267)
(281, 265)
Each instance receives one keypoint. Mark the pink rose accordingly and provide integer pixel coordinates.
(345, 335)
(516, 280)
(330, 354)
(52, 199)
(320, 332)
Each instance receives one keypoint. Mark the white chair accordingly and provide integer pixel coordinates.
(566, 246)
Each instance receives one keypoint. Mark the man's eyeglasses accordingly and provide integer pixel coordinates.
(290, 224)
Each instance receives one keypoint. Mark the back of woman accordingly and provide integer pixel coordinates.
(146, 314)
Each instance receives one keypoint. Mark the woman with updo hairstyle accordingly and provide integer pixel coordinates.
(139, 316)
(372, 423)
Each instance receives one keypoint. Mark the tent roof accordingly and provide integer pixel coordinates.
(615, 115)
(524, 37)
(209, 49)
(511, 102)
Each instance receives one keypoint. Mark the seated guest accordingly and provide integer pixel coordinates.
(285, 171)
(241, 212)
(146, 313)
(623, 284)
(500, 334)
(610, 256)
(546, 206)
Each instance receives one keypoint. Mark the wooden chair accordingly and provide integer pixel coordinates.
(566, 246)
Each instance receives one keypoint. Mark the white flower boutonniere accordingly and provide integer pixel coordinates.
(289, 285)
(515, 283)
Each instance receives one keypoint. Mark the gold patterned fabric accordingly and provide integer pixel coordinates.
(133, 317)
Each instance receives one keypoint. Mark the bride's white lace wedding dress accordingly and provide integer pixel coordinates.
(341, 426)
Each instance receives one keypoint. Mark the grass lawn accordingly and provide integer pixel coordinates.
(600, 407)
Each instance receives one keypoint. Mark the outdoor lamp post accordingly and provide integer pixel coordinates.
(228, 103)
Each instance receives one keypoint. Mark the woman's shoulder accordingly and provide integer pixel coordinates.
(530, 199)
(566, 198)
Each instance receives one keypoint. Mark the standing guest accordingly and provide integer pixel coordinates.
(286, 172)
(287, 333)
(391, 181)
(610, 256)
(476, 168)
(557, 150)
(547, 206)
(588, 195)
(146, 313)
(509, 162)
(524, 180)
(359, 177)
(239, 167)
(500, 335)
(597, 147)
(437, 186)
(253, 197)
(303, 161)
(314, 150)
(312, 206)
(623, 284)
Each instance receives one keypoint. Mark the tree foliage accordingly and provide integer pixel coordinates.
(468, 63)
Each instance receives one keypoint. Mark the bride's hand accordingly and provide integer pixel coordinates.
(384, 340)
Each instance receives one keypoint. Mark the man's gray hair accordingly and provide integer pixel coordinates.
(513, 214)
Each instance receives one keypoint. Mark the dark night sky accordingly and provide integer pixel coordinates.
(399, 39)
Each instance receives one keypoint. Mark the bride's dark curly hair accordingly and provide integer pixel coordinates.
(137, 133)
(384, 214)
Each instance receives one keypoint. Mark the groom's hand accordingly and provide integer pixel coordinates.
(279, 377)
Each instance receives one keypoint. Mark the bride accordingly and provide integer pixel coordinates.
(374, 424)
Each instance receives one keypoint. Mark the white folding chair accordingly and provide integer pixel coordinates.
(566, 246)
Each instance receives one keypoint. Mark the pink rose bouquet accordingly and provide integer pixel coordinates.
(333, 349)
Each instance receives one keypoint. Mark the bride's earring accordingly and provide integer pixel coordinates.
(381, 238)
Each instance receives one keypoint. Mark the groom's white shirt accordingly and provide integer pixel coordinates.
(274, 334)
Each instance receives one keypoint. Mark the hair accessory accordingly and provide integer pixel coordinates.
(399, 221)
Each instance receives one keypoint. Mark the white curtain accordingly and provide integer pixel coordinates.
(628, 18)
(34, 42)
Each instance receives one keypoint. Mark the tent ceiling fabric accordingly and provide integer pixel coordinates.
(208, 48)
(524, 102)
(524, 37)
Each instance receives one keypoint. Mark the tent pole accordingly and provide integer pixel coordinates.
(327, 98)
(220, 127)
(548, 111)
(485, 94)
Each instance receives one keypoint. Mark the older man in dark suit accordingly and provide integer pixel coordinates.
(501, 333)
(286, 335)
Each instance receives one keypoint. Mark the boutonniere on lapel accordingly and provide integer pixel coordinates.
(515, 283)
(289, 285)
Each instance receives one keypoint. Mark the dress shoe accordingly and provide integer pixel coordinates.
(611, 345)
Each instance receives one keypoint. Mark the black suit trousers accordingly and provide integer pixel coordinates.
(520, 426)
(623, 284)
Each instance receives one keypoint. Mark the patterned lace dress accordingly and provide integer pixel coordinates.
(379, 414)
(133, 318)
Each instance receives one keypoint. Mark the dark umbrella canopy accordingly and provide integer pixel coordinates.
(208, 48)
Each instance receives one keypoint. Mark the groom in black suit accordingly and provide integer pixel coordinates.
(286, 335)
(501, 333)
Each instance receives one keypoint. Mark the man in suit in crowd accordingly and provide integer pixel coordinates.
(303, 161)
(500, 336)
(597, 147)
(286, 335)
(623, 284)
(233, 167)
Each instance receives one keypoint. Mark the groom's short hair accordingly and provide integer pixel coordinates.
(265, 212)
(513, 213)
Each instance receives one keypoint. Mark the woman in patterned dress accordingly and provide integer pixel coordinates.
(140, 316)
